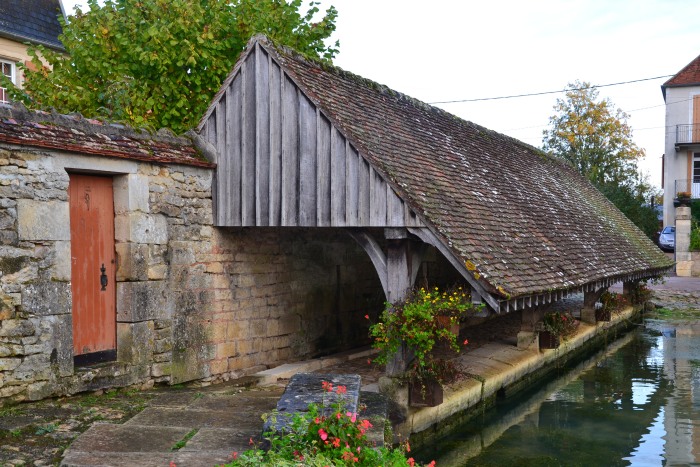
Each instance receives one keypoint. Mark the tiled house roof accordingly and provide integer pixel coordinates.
(688, 76)
(33, 21)
(76, 134)
(522, 221)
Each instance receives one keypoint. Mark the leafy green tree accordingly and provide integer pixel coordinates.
(595, 138)
(158, 63)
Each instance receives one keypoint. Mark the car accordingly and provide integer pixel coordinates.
(667, 238)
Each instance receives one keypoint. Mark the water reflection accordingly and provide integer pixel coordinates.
(636, 403)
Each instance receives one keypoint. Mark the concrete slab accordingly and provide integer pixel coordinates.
(151, 459)
(173, 417)
(239, 403)
(173, 399)
(104, 437)
(221, 439)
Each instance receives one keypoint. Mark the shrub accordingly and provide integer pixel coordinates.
(416, 321)
(559, 323)
(324, 435)
(695, 237)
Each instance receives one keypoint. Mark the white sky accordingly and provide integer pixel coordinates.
(450, 49)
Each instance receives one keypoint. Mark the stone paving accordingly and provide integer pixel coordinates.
(214, 422)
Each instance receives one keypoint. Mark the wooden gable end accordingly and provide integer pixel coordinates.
(281, 161)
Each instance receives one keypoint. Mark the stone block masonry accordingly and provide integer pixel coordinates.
(193, 301)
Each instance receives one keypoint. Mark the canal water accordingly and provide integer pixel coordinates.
(635, 403)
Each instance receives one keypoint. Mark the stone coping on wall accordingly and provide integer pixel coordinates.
(496, 367)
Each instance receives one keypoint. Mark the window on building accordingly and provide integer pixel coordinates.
(8, 69)
(696, 168)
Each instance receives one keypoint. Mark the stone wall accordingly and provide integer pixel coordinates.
(193, 302)
(695, 268)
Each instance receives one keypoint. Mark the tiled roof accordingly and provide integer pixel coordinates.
(521, 220)
(77, 134)
(33, 21)
(688, 76)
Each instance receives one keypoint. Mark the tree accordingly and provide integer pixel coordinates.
(595, 138)
(158, 63)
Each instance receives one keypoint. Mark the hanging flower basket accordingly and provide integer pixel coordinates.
(682, 199)
(425, 394)
(549, 340)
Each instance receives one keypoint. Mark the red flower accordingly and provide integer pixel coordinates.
(366, 316)
(323, 434)
(466, 341)
(411, 461)
(336, 442)
(341, 389)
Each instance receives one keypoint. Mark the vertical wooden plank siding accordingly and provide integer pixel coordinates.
(224, 187)
(262, 139)
(290, 148)
(275, 144)
(248, 140)
(394, 208)
(221, 130)
(351, 184)
(337, 178)
(234, 152)
(307, 162)
(323, 172)
(377, 199)
(363, 214)
(283, 163)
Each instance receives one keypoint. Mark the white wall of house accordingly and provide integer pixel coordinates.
(679, 111)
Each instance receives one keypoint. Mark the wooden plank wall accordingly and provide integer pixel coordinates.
(282, 163)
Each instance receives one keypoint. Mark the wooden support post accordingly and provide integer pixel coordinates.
(590, 297)
(630, 290)
(528, 335)
(397, 270)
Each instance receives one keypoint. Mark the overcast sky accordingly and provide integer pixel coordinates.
(444, 50)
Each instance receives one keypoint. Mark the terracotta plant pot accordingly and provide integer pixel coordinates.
(549, 340)
(602, 315)
(431, 397)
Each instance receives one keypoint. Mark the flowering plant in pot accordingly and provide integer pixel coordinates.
(415, 322)
(420, 322)
(682, 199)
(611, 302)
(556, 325)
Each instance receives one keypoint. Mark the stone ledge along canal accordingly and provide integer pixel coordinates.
(635, 403)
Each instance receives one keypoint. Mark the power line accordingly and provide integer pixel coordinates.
(549, 92)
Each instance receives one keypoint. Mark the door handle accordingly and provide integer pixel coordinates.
(103, 277)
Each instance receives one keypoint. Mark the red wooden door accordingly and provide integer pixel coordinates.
(92, 268)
